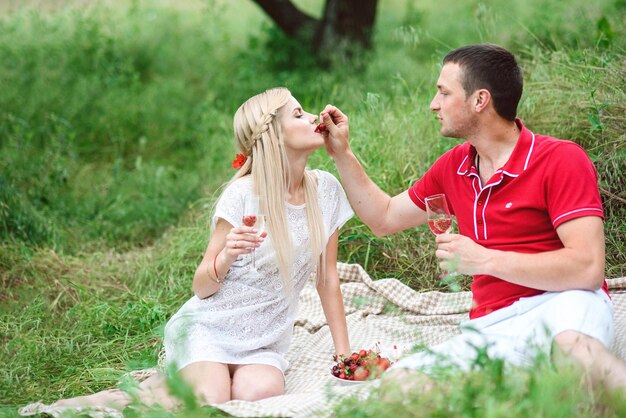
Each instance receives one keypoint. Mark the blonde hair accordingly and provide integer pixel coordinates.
(259, 137)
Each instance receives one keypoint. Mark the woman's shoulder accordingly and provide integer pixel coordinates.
(239, 185)
(326, 179)
(332, 200)
(329, 188)
(234, 190)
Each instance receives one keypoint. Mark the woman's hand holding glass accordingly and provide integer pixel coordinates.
(242, 240)
(245, 238)
(254, 218)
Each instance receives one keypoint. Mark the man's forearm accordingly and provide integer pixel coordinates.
(367, 199)
(558, 270)
(578, 265)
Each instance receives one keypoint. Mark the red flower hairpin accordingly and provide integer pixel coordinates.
(239, 161)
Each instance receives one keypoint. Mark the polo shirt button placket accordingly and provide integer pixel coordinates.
(479, 214)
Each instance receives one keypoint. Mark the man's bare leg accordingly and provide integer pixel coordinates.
(602, 366)
(397, 384)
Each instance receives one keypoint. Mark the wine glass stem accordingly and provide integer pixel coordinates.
(254, 258)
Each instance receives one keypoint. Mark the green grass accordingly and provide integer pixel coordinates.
(490, 390)
(115, 132)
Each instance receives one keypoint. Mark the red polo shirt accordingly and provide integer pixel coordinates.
(545, 182)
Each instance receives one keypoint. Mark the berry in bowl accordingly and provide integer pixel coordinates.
(359, 367)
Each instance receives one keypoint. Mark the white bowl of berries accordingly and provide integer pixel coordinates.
(359, 367)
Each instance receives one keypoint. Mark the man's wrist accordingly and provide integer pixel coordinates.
(494, 262)
(344, 157)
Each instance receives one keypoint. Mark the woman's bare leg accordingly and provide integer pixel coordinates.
(252, 382)
(112, 398)
(210, 381)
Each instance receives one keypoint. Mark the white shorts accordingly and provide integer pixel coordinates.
(521, 331)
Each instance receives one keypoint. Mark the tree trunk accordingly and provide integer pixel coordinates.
(289, 18)
(345, 24)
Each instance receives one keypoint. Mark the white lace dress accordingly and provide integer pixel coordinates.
(250, 320)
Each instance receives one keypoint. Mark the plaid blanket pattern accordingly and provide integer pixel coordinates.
(384, 312)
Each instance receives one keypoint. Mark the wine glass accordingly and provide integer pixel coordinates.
(253, 216)
(438, 214)
(439, 222)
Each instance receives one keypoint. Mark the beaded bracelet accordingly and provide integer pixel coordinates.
(217, 277)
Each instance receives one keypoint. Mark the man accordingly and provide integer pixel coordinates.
(529, 215)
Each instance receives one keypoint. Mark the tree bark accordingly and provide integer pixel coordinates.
(345, 24)
(289, 18)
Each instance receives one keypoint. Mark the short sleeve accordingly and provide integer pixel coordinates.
(230, 204)
(430, 183)
(422, 188)
(334, 204)
(571, 185)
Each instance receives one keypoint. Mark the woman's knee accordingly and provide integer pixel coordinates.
(257, 390)
(207, 394)
(209, 381)
(256, 385)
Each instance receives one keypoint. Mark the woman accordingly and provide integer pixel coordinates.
(230, 339)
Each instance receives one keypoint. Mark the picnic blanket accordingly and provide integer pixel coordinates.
(384, 312)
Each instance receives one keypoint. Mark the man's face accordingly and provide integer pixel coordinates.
(453, 109)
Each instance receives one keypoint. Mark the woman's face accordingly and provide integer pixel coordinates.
(298, 128)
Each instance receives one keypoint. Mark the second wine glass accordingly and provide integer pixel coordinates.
(253, 216)
(438, 214)
(440, 222)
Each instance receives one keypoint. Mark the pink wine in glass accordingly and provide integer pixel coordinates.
(438, 214)
(440, 225)
(253, 217)
(256, 221)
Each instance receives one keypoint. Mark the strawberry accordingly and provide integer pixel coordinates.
(361, 374)
(376, 371)
(320, 128)
(360, 365)
(249, 220)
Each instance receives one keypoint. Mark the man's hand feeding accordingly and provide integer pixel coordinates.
(336, 134)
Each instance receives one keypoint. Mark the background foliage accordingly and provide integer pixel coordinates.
(115, 134)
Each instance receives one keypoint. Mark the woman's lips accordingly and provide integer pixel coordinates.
(320, 128)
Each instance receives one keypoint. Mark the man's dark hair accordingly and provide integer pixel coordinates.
(491, 67)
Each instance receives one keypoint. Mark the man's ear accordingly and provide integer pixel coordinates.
(482, 98)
